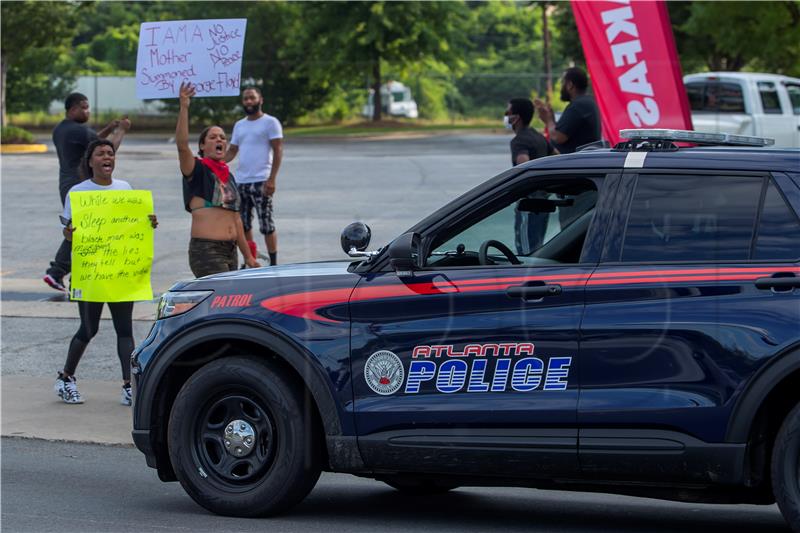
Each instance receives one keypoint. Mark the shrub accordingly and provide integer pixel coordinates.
(15, 135)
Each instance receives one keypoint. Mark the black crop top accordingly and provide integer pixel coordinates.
(204, 184)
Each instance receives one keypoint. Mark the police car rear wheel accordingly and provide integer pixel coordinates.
(786, 468)
(418, 486)
(240, 441)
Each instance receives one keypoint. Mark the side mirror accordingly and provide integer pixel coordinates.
(355, 239)
(404, 254)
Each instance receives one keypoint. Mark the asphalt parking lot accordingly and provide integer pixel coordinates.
(323, 185)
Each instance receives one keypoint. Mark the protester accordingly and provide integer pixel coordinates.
(579, 124)
(258, 139)
(527, 144)
(71, 137)
(98, 165)
(211, 196)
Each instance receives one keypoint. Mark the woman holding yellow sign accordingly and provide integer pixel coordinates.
(97, 166)
(210, 195)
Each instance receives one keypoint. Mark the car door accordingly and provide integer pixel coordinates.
(688, 302)
(793, 95)
(776, 118)
(471, 362)
(720, 105)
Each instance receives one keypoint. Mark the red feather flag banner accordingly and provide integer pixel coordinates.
(633, 64)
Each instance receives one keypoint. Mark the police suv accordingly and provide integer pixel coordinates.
(620, 320)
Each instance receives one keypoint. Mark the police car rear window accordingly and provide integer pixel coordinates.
(778, 229)
(692, 218)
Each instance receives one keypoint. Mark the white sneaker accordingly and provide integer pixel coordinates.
(67, 389)
(125, 397)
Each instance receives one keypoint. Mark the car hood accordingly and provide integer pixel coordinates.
(302, 291)
(296, 270)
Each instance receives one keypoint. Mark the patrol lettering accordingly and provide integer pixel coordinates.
(231, 300)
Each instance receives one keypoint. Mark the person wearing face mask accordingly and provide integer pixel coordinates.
(580, 122)
(211, 196)
(259, 136)
(527, 144)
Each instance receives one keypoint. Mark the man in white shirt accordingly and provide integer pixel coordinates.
(259, 137)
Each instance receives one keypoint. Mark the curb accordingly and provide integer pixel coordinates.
(23, 148)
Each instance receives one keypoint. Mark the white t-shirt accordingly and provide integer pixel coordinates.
(255, 153)
(89, 185)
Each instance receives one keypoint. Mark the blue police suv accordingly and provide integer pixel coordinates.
(621, 320)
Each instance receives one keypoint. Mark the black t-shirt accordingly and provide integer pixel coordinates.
(71, 139)
(531, 142)
(580, 122)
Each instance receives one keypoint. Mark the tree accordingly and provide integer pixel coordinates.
(356, 39)
(34, 36)
(739, 35)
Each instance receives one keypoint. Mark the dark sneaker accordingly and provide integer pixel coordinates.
(67, 389)
(125, 397)
(57, 284)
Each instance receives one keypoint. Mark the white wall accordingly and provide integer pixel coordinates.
(115, 94)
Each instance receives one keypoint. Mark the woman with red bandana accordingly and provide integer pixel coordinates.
(210, 195)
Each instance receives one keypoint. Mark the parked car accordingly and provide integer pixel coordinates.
(618, 320)
(396, 101)
(746, 103)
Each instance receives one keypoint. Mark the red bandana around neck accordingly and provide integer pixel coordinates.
(219, 168)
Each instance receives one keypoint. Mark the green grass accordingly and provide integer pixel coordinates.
(43, 122)
(364, 129)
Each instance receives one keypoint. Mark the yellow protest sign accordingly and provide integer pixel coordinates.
(112, 246)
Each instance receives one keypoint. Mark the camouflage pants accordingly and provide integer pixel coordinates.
(207, 256)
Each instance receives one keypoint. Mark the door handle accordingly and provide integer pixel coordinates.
(533, 292)
(779, 282)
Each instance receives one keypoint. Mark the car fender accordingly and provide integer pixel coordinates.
(306, 366)
(760, 386)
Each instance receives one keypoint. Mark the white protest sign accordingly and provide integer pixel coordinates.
(207, 53)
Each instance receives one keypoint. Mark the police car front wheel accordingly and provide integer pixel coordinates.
(240, 441)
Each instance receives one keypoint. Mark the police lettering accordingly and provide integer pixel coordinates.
(498, 374)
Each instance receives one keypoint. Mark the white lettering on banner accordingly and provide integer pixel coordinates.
(625, 53)
(206, 53)
(634, 80)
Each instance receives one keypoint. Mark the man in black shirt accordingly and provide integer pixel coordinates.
(580, 122)
(527, 144)
(71, 137)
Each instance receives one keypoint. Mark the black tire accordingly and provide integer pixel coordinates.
(281, 464)
(786, 468)
(410, 485)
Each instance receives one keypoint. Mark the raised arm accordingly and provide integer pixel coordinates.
(123, 125)
(185, 155)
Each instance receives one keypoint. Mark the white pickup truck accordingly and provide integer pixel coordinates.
(746, 103)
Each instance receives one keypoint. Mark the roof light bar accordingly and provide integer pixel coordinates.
(696, 137)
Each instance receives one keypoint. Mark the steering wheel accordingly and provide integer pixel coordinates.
(483, 255)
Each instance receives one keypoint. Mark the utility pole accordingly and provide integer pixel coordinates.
(548, 75)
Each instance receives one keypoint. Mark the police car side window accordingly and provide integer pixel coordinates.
(692, 218)
(778, 228)
(544, 225)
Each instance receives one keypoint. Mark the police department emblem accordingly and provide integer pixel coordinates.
(384, 372)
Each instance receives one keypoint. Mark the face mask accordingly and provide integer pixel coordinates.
(565, 97)
(507, 123)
